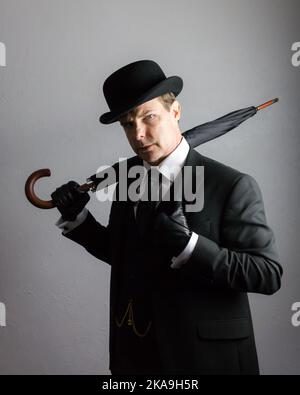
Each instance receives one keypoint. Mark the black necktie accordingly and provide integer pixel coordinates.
(146, 208)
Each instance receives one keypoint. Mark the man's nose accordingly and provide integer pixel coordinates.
(140, 132)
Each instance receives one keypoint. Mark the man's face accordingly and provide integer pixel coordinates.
(153, 131)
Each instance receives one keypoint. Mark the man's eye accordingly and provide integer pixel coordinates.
(150, 116)
(127, 125)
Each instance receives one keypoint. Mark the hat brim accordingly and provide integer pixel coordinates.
(172, 84)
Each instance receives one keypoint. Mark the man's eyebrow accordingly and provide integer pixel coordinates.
(129, 116)
(146, 112)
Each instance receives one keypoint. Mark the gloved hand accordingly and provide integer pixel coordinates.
(69, 200)
(171, 230)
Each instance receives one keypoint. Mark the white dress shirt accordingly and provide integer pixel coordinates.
(169, 168)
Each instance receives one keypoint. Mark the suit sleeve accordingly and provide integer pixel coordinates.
(246, 259)
(94, 237)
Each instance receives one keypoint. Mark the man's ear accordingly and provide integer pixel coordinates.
(176, 110)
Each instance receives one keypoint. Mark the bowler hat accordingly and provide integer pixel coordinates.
(135, 84)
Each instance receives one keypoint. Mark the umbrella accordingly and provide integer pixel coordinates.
(195, 137)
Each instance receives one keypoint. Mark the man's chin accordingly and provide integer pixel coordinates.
(148, 155)
(153, 160)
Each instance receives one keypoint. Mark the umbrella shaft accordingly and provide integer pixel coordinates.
(267, 104)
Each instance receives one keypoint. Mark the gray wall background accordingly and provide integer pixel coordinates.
(230, 54)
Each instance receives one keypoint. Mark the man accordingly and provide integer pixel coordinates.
(179, 279)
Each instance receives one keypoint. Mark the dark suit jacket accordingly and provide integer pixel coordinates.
(202, 314)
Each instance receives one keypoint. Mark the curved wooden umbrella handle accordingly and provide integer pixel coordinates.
(34, 199)
(29, 189)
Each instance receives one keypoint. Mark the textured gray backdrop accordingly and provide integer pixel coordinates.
(230, 54)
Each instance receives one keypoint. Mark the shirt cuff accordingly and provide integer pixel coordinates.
(67, 226)
(183, 257)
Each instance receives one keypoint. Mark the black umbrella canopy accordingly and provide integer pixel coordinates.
(211, 130)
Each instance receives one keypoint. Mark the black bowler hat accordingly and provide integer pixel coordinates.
(135, 84)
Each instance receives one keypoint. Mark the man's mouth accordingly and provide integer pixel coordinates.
(145, 147)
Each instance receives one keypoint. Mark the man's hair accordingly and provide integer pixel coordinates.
(167, 99)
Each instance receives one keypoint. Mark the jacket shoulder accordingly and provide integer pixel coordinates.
(222, 173)
(223, 178)
(220, 169)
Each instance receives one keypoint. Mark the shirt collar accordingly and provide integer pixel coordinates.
(172, 164)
